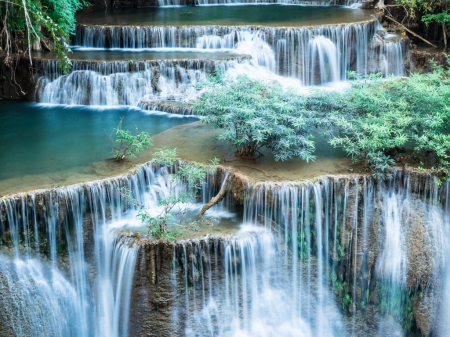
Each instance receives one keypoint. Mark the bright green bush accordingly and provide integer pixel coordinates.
(377, 117)
(128, 144)
(254, 115)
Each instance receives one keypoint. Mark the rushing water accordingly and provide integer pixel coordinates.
(291, 56)
(341, 256)
(319, 240)
(160, 54)
(67, 272)
(312, 259)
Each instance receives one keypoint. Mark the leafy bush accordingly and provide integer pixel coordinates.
(256, 115)
(376, 118)
(129, 145)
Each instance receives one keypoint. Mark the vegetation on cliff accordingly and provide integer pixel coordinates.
(426, 11)
(181, 188)
(31, 20)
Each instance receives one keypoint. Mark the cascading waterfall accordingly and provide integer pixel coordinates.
(371, 243)
(68, 273)
(127, 82)
(315, 258)
(357, 45)
(311, 55)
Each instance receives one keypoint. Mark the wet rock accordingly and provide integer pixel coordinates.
(155, 80)
(424, 311)
(425, 251)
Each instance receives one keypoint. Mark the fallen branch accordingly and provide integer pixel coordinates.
(215, 199)
(409, 31)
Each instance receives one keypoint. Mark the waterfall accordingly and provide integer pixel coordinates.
(66, 272)
(126, 82)
(320, 258)
(310, 55)
(357, 46)
(337, 256)
(253, 298)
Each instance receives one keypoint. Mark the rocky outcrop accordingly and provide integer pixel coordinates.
(420, 60)
(160, 285)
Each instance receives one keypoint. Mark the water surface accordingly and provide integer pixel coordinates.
(274, 15)
(46, 139)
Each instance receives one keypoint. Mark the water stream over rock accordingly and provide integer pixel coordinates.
(339, 256)
(290, 54)
(334, 256)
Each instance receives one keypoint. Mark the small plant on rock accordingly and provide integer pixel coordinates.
(128, 144)
(184, 182)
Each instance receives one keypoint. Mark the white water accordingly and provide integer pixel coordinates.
(263, 283)
(291, 56)
(85, 292)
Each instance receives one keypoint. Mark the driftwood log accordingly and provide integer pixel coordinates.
(215, 199)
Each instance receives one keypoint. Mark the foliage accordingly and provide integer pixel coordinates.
(420, 6)
(377, 118)
(129, 145)
(440, 18)
(184, 186)
(256, 115)
(347, 302)
(30, 18)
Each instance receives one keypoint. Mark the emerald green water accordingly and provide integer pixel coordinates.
(38, 139)
(268, 15)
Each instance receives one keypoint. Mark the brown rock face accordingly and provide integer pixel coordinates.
(159, 284)
(16, 80)
(421, 60)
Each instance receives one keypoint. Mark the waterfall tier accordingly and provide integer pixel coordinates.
(371, 243)
(64, 270)
(322, 259)
(314, 55)
(113, 83)
(167, 107)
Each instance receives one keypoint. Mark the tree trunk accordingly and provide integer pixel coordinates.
(215, 199)
(444, 33)
(245, 151)
(409, 31)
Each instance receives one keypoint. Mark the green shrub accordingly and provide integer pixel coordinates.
(129, 144)
(254, 115)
